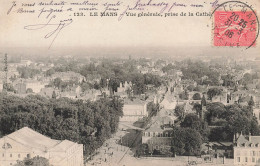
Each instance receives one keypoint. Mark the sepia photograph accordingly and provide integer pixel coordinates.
(129, 83)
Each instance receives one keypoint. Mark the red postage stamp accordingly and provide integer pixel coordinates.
(238, 28)
(234, 28)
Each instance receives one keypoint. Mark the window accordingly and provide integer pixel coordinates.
(161, 148)
(3, 155)
(161, 134)
(253, 159)
(238, 159)
(28, 156)
(19, 155)
(11, 155)
(166, 134)
(253, 153)
(246, 160)
(245, 153)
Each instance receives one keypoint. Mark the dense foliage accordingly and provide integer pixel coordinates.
(88, 123)
(27, 72)
(213, 92)
(229, 120)
(110, 70)
(186, 141)
(36, 161)
(194, 122)
(200, 72)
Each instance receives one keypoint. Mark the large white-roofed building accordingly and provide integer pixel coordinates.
(29, 143)
(134, 112)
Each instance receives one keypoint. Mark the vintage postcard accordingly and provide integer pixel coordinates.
(129, 82)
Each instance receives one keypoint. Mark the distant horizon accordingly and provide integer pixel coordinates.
(134, 52)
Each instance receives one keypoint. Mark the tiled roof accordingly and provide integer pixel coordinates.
(154, 129)
(255, 139)
(62, 146)
(241, 139)
(33, 139)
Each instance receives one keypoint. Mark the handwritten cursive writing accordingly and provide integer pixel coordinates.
(162, 5)
(13, 5)
(54, 33)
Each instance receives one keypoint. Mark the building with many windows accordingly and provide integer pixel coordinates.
(158, 138)
(247, 150)
(27, 143)
(134, 112)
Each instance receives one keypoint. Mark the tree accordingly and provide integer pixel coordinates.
(53, 95)
(251, 102)
(85, 86)
(196, 96)
(36, 161)
(49, 72)
(239, 118)
(138, 84)
(220, 134)
(196, 70)
(236, 88)
(88, 123)
(186, 141)
(167, 68)
(247, 79)
(228, 80)
(215, 110)
(194, 122)
(26, 72)
(203, 101)
(142, 150)
(213, 92)
(198, 108)
(57, 82)
(114, 84)
(152, 79)
(184, 95)
(29, 90)
(191, 87)
(8, 87)
(179, 111)
(191, 121)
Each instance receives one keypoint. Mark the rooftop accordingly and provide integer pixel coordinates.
(33, 139)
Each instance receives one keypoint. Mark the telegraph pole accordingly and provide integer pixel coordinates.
(6, 71)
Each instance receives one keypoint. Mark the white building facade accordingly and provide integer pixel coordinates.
(134, 112)
(27, 143)
(247, 151)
